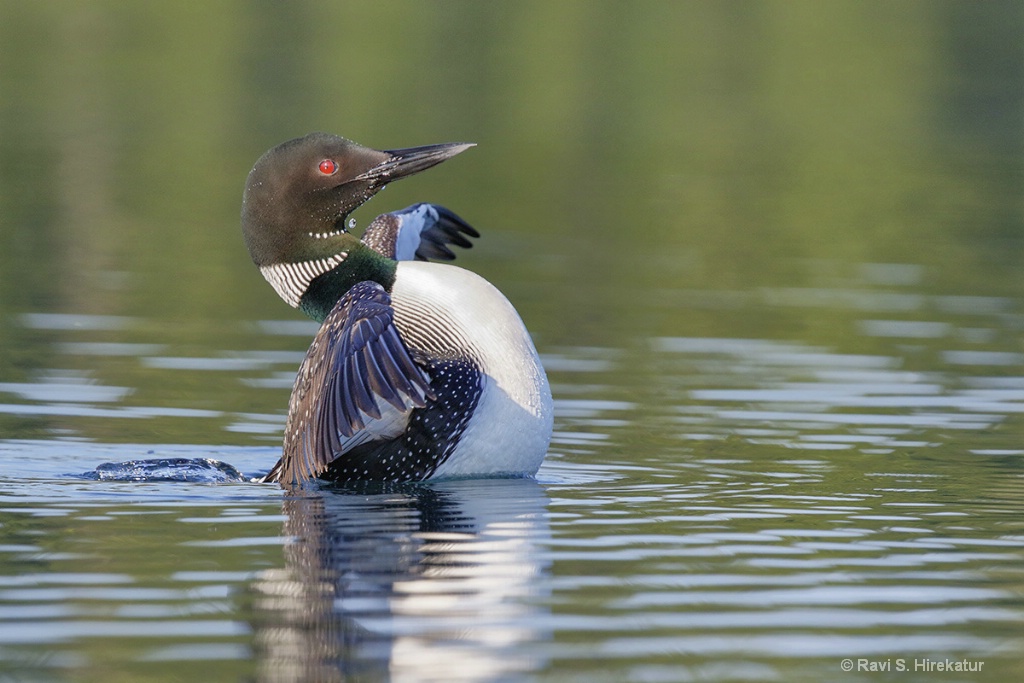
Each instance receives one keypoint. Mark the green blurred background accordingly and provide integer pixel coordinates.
(629, 155)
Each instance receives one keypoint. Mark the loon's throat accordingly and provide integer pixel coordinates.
(360, 264)
(291, 280)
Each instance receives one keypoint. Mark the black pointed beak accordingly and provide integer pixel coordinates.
(404, 162)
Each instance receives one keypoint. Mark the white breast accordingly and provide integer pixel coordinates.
(445, 310)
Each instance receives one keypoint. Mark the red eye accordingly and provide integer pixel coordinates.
(327, 167)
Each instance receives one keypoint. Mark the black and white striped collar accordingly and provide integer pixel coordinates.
(291, 280)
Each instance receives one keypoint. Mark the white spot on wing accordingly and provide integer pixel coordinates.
(411, 225)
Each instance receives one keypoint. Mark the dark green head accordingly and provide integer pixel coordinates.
(300, 193)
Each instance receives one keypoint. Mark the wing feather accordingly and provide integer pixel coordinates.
(358, 383)
(419, 232)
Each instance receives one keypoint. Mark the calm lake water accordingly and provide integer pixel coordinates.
(772, 255)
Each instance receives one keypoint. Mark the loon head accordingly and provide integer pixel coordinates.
(300, 193)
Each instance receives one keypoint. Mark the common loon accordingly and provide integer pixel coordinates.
(419, 370)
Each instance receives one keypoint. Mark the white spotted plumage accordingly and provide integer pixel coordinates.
(444, 310)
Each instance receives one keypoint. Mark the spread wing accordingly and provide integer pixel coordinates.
(358, 383)
(420, 232)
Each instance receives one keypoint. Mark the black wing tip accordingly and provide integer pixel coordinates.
(446, 228)
(447, 215)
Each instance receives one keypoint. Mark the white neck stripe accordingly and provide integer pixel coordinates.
(291, 280)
